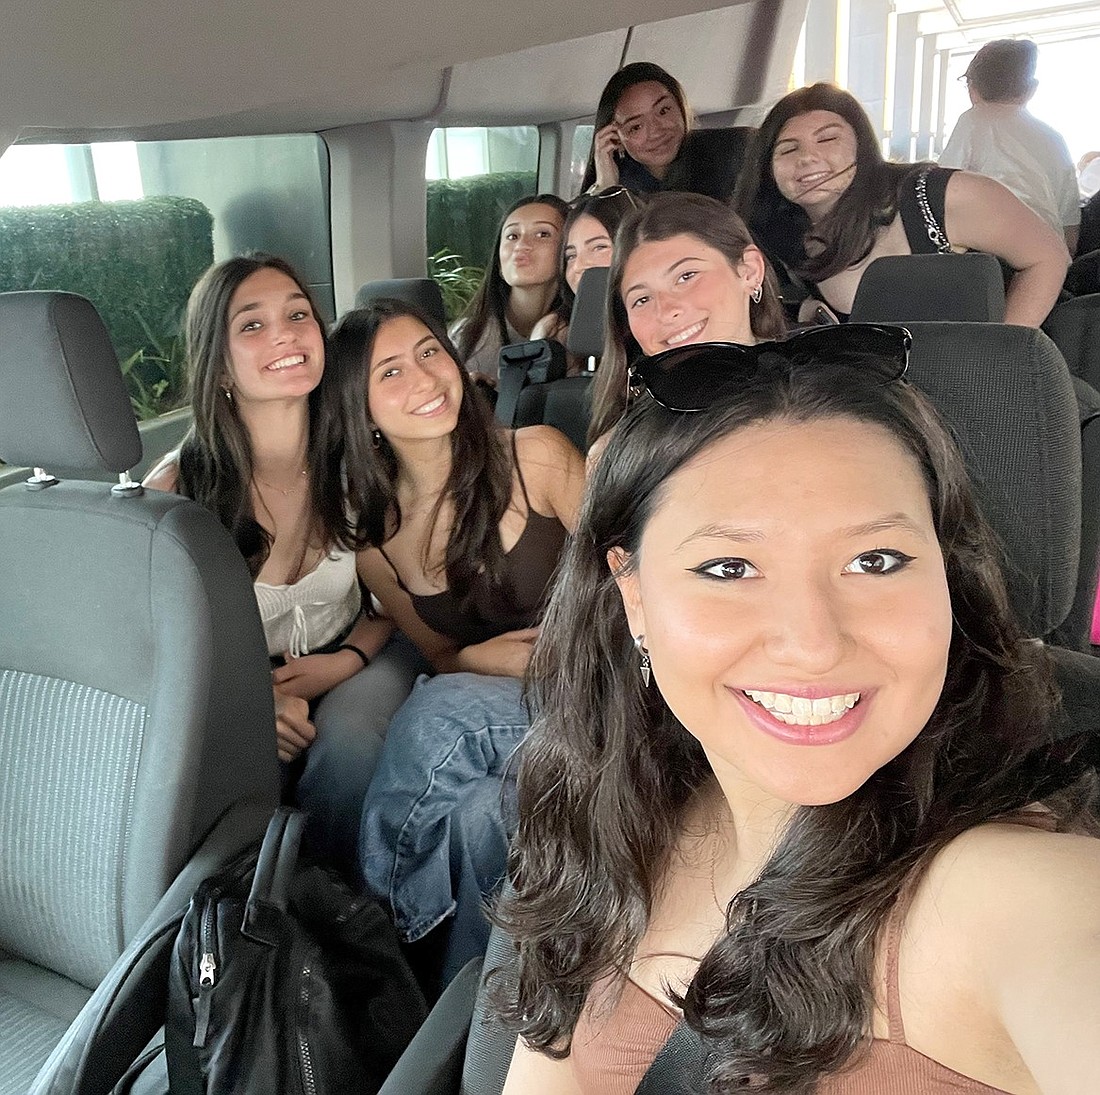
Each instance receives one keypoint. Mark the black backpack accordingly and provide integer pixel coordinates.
(284, 982)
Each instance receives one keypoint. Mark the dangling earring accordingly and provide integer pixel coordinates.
(639, 645)
(376, 439)
(757, 293)
(228, 394)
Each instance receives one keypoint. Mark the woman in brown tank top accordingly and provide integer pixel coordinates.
(463, 525)
(777, 780)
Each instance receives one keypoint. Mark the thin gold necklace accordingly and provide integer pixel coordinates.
(296, 486)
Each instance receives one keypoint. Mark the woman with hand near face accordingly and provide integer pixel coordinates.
(685, 270)
(818, 196)
(520, 287)
(265, 455)
(463, 525)
(779, 783)
(645, 139)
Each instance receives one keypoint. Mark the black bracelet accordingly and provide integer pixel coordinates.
(355, 649)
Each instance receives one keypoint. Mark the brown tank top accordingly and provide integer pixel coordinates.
(516, 602)
(616, 1041)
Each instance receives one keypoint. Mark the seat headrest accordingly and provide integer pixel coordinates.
(908, 289)
(1007, 396)
(587, 323)
(424, 293)
(63, 402)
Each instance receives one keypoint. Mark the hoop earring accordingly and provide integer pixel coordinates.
(376, 438)
(757, 293)
(644, 669)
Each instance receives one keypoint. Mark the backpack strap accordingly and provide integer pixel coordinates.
(678, 1068)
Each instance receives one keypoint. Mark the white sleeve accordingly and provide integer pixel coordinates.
(956, 153)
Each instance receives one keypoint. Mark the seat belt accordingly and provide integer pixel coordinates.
(678, 1068)
(537, 362)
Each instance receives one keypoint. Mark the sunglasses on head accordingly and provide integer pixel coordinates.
(691, 377)
(608, 192)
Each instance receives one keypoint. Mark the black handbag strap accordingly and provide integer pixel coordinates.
(274, 870)
(678, 1068)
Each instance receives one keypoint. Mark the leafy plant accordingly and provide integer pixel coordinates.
(156, 374)
(456, 280)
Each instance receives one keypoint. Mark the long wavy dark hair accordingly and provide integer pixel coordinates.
(489, 306)
(662, 217)
(215, 462)
(479, 485)
(637, 72)
(846, 234)
(786, 992)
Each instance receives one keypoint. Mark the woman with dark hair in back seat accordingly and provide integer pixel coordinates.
(265, 455)
(645, 139)
(685, 270)
(587, 241)
(820, 198)
(464, 523)
(520, 286)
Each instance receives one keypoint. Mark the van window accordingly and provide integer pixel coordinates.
(131, 226)
(474, 175)
(582, 145)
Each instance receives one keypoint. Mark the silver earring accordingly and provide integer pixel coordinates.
(376, 439)
(639, 645)
(757, 293)
(228, 394)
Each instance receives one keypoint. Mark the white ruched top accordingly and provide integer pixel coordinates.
(312, 611)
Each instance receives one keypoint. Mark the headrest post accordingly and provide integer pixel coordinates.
(41, 480)
(126, 487)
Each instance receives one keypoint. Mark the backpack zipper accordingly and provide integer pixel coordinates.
(309, 1082)
(208, 970)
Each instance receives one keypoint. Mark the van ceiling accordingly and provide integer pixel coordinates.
(148, 69)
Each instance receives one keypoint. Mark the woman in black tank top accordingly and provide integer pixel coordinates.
(819, 197)
(463, 524)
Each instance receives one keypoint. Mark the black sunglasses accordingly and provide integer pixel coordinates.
(691, 377)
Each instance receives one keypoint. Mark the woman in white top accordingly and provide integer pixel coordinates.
(259, 456)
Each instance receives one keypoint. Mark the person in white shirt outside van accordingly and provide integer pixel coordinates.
(998, 136)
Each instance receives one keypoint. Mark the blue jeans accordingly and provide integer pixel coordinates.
(441, 808)
(351, 723)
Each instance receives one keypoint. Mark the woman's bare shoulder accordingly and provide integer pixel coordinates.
(999, 884)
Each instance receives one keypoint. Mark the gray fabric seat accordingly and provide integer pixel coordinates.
(422, 293)
(1074, 327)
(566, 403)
(1007, 396)
(136, 719)
(966, 288)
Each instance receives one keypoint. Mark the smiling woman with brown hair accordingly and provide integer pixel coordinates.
(646, 140)
(779, 784)
(818, 196)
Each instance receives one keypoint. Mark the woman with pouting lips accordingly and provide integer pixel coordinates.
(777, 784)
(819, 197)
(520, 286)
(463, 524)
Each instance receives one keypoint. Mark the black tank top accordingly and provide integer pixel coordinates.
(514, 603)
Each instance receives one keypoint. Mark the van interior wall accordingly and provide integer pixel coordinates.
(378, 200)
(733, 61)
